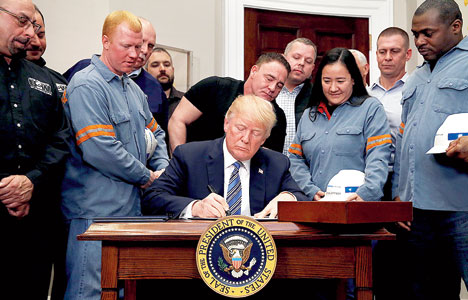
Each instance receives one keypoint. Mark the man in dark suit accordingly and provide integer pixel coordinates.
(198, 181)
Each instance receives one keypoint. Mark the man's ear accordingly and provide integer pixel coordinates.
(409, 53)
(226, 122)
(105, 42)
(254, 69)
(457, 26)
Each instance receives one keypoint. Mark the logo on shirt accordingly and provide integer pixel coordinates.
(61, 87)
(236, 256)
(40, 86)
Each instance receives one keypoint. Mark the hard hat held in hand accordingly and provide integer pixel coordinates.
(151, 143)
(453, 127)
(343, 184)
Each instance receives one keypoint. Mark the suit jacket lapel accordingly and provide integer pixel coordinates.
(257, 183)
(215, 166)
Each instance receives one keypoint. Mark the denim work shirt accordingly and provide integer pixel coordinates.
(108, 116)
(434, 182)
(355, 137)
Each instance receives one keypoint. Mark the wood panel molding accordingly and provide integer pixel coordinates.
(379, 12)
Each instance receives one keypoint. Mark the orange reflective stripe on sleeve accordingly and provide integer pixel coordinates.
(92, 131)
(378, 140)
(402, 127)
(379, 137)
(295, 149)
(152, 125)
(64, 97)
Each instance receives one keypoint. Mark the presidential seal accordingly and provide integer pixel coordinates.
(236, 256)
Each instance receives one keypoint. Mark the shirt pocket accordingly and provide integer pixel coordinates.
(348, 141)
(122, 126)
(407, 94)
(452, 97)
(308, 144)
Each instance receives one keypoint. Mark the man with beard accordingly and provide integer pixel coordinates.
(34, 53)
(157, 100)
(34, 131)
(36, 49)
(160, 66)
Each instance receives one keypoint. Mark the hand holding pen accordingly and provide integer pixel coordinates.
(212, 190)
(212, 206)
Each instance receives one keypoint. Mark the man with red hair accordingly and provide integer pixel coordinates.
(104, 176)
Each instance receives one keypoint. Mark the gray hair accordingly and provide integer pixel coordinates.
(360, 56)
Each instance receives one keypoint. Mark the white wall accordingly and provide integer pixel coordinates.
(402, 15)
(73, 28)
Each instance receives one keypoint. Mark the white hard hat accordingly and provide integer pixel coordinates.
(343, 184)
(151, 143)
(453, 127)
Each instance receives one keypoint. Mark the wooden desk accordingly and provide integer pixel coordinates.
(132, 251)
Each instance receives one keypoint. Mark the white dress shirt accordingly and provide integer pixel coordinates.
(244, 174)
(287, 101)
(391, 100)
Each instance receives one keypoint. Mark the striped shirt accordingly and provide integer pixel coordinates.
(286, 100)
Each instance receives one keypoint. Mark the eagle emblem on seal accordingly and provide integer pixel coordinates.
(236, 252)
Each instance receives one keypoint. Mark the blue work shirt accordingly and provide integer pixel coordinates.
(433, 182)
(108, 116)
(157, 100)
(355, 137)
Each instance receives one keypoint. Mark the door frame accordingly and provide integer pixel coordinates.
(379, 12)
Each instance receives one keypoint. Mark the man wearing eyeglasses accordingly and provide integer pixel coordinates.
(33, 132)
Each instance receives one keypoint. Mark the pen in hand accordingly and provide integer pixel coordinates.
(212, 190)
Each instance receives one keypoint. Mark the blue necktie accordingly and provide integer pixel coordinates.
(234, 194)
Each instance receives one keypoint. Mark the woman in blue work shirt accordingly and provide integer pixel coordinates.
(342, 128)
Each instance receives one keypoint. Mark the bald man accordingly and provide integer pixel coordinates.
(34, 131)
(362, 64)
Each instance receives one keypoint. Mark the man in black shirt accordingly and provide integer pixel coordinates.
(34, 54)
(161, 67)
(34, 130)
(36, 49)
(200, 114)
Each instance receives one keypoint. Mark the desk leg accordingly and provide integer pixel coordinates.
(364, 273)
(110, 255)
(130, 290)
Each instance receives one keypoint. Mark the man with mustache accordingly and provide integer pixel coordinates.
(34, 53)
(160, 66)
(36, 49)
(107, 169)
(294, 97)
(436, 184)
(200, 114)
(34, 131)
(157, 100)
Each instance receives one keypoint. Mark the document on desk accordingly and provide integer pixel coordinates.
(133, 219)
